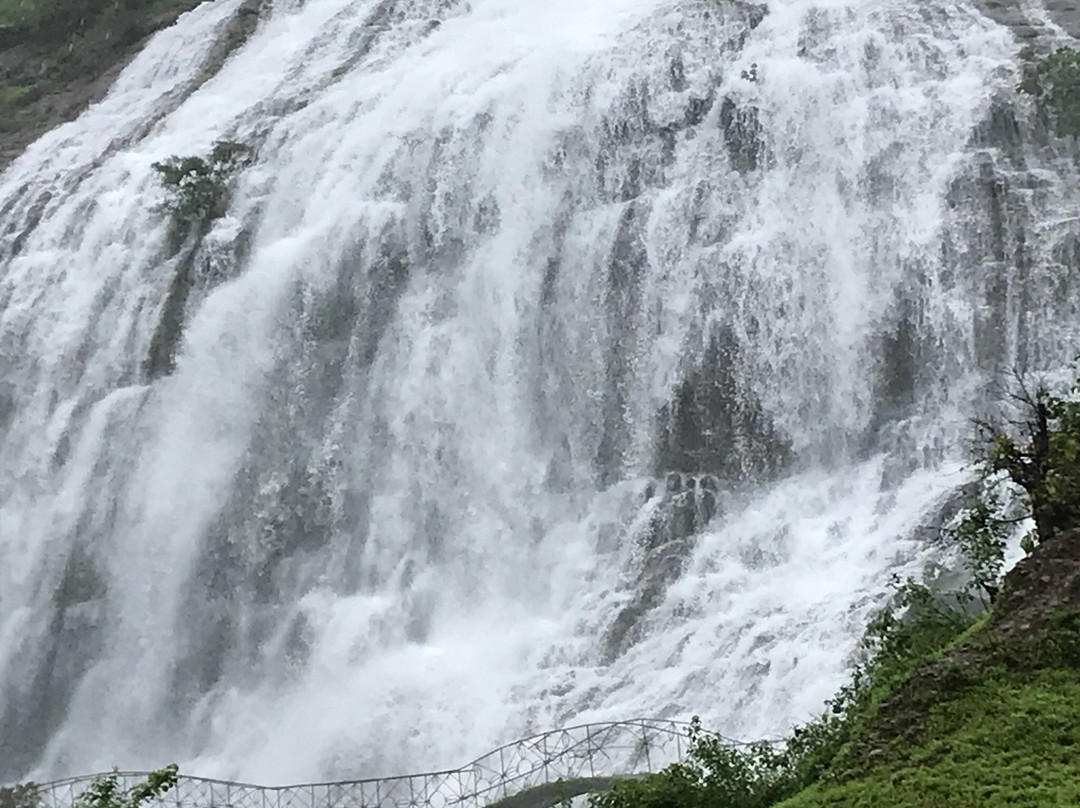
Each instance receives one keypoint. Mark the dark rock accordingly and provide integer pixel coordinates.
(716, 426)
(743, 135)
(1041, 586)
(686, 507)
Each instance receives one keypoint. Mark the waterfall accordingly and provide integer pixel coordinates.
(555, 360)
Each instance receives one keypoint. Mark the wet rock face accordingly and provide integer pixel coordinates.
(74, 639)
(743, 135)
(680, 506)
(1065, 13)
(713, 425)
(1042, 585)
(1026, 23)
(687, 504)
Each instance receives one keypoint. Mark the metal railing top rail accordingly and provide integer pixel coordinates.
(673, 727)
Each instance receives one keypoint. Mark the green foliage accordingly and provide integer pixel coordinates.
(105, 791)
(714, 775)
(1009, 739)
(917, 626)
(1042, 457)
(21, 795)
(1056, 81)
(981, 534)
(199, 187)
(902, 635)
(996, 730)
(12, 95)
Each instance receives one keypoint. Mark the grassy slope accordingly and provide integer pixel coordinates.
(58, 56)
(993, 721)
(1010, 739)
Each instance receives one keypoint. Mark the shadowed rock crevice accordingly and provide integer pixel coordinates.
(744, 135)
(74, 640)
(289, 500)
(677, 508)
(627, 268)
(715, 425)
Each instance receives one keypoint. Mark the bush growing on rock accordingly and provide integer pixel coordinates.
(1040, 453)
(199, 187)
(1056, 81)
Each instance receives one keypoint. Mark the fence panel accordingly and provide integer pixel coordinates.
(590, 750)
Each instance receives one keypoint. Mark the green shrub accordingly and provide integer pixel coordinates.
(1056, 81)
(21, 795)
(1040, 453)
(980, 534)
(199, 187)
(714, 775)
(105, 791)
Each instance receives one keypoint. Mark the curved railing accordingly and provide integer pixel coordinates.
(588, 751)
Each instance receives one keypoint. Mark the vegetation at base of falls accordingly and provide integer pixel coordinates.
(1040, 453)
(966, 698)
(949, 713)
(199, 187)
(918, 626)
(104, 791)
(22, 795)
(1004, 739)
(1055, 80)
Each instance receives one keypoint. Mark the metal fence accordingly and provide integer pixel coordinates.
(586, 751)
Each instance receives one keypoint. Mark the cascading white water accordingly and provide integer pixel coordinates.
(496, 265)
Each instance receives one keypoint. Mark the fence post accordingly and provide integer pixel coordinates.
(645, 740)
(589, 750)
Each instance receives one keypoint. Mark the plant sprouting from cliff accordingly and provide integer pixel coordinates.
(1040, 453)
(1056, 81)
(105, 791)
(199, 187)
(980, 534)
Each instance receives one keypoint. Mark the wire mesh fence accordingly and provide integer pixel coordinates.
(585, 751)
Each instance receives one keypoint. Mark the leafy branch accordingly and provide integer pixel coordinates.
(1055, 80)
(199, 187)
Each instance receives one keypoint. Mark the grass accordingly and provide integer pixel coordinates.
(27, 13)
(952, 712)
(15, 13)
(995, 723)
(1013, 739)
(9, 96)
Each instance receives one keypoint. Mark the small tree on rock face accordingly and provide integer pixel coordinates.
(199, 188)
(981, 534)
(1042, 456)
(1056, 80)
(1039, 453)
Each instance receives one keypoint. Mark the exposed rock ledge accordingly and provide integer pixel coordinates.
(1028, 24)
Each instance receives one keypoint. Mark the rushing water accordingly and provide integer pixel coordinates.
(375, 474)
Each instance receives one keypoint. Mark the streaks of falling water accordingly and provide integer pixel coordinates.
(495, 268)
